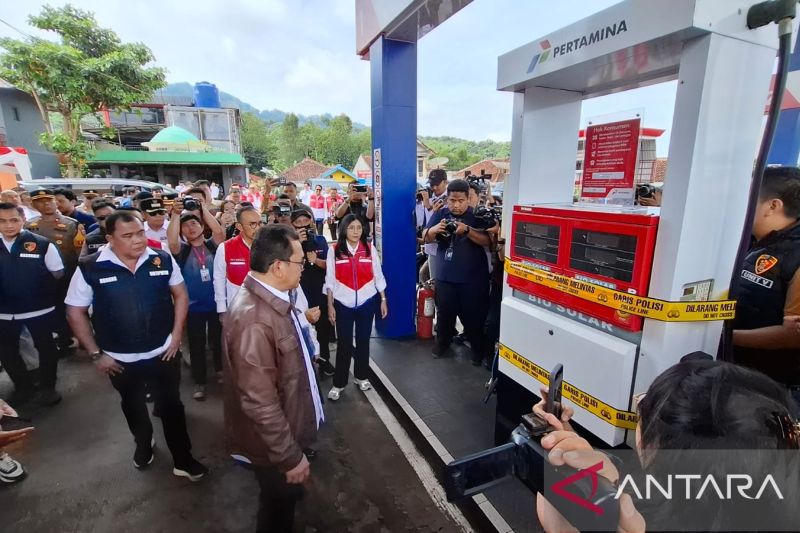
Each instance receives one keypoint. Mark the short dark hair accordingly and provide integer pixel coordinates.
(195, 190)
(272, 243)
(6, 206)
(245, 204)
(248, 209)
(290, 184)
(186, 217)
(120, 215)
(474, 186)
(783, 183)
(458, 185)
(437, 175)
(298, 213)
(202, 183)
(101, 203)
(66, 193)
(144, 195)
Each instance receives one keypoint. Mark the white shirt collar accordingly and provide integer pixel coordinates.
(107, 254)
(283, 295)
(352, 250)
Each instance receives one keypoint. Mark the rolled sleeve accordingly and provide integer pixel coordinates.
(176, 278)
(80, 293)
(52, 259)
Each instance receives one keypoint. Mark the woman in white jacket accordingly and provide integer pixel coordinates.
(355, 285)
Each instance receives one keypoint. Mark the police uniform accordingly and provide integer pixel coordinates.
(770, 289)
(152, 206)
(94, 241)
(28, 297)
(133, 317)
(61, 231)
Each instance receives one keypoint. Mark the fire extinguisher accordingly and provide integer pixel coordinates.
(426, 308)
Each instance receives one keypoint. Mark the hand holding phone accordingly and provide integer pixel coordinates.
(15, 423)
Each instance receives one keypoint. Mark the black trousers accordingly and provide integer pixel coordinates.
(332, 229)
(203, 327)
(320, 223)
(277, 500)
(470, 303)
(41, 329)
(163, 379)
(324, 332)
(348, 318)
(492, 328)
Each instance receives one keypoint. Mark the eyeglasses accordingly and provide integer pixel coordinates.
(301, 264)
(254, 225)
(157, 212)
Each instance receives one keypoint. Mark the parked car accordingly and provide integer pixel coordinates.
(101, 185)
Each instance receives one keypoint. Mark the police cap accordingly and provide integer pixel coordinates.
(42, 194)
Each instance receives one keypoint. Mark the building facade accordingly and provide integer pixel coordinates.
(20, 125)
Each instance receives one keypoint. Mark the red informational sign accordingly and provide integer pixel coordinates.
(609, 162)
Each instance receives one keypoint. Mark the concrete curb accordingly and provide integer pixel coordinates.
(478, 510)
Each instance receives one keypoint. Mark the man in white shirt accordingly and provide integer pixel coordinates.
(15, 197)
(136, 344)
(305, 194)
(29, 267)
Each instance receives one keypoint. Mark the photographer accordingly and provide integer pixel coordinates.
(462, 277)
(312, 281)
(693, 407)
(649, 195)
(290, 190)
(434, 201)
(359, 202)
(195, 258)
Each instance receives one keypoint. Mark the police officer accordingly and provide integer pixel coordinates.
(136, 344)
(770, 284)
(65, 234)
(97, 238)
(462, 281)
(29, 268)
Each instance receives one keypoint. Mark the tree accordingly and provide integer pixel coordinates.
(258, 147)
(88, 69)
(291, 146)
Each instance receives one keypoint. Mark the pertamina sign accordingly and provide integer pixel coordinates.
(554, 52)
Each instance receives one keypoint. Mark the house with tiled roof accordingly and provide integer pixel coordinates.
(363, 167)
(304, 170)
(498, 168)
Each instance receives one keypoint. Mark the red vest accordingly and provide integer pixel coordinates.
(237, 260)
(316, 201)
(356, 271)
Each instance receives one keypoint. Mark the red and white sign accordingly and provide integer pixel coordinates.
(609, 163)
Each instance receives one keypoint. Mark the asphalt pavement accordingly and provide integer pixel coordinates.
(81, 477)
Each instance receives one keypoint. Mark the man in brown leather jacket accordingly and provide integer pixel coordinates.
(272, 403)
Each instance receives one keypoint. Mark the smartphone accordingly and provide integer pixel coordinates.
(553, 404)
(13, 423)
(281, 181)
(360, 188)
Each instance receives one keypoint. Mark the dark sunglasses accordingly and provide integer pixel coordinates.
(157, 212)
(100, 219)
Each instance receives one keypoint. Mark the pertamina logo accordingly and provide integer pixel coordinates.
(553, 52)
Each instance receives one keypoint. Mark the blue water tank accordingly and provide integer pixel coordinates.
(206, 95)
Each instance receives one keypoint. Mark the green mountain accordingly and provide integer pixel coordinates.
(270, 116)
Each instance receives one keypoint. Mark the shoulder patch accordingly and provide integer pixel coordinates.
(764, 263)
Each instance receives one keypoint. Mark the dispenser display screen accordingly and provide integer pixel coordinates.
(537, 241)
(605, 254)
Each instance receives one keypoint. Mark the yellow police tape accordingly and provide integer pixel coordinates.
(616, 417)
(624, 302)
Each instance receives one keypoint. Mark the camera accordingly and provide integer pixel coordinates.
(526, 459)
(280, 210)
(309, 245)
(190, 204)
(482, 181)
(360, 188)
(281, 181)
(450, 228)
(646, 190)
(424, 189)
(490, 215)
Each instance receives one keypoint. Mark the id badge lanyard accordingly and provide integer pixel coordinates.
(205, 274)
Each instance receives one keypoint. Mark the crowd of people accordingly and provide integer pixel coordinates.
(251, 278)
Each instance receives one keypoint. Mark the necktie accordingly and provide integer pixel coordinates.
(304, 330)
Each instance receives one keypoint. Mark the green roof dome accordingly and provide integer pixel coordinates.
(174, 135)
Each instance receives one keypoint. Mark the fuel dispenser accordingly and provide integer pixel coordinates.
(617, 294)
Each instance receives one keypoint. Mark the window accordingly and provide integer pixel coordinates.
(16, 113)
(419, 168)
(581, 145)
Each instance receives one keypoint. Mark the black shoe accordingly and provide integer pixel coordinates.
(439, 353)
(193, 470)
(311, 454)
(20, 397)
(144, 454)
(460, 339)
(326, 367)
(48, 397)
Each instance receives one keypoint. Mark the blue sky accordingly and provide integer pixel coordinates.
(299, 55)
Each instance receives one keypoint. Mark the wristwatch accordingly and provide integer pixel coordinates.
(96, 355)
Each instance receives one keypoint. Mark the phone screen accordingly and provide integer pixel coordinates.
(13, 423)
(553, 405)
(477, 472)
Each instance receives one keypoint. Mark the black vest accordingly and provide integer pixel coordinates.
(133, 313)
(25, 283)
(768, 269)
(94, 240)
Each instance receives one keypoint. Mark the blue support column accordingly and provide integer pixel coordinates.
(393, 69)
(786, 145)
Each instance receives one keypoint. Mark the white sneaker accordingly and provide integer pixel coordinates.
(199, 393)
(10, 470)
(335, 393)
(363, 384)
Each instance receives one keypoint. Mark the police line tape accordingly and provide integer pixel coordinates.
(662, 310)
(616, 417)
